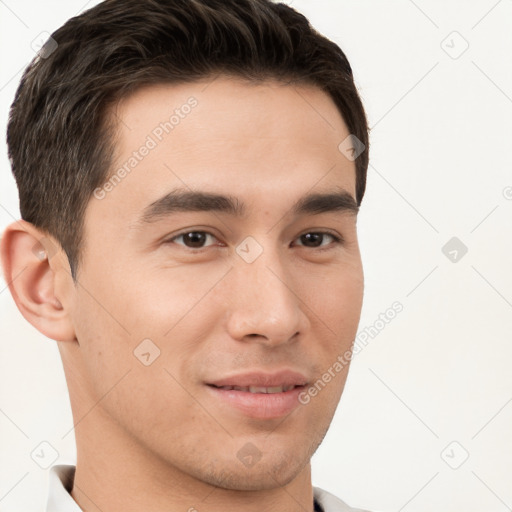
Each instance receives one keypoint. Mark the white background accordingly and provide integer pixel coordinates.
(440, 167)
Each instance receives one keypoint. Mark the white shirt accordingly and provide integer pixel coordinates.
(62, 476)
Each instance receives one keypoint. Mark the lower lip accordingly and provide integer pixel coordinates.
(260, 405)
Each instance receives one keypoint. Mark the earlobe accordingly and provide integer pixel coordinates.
(26, 253)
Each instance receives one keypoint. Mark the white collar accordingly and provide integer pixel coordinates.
(61, 482)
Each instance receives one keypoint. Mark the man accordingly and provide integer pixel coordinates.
(190, 173)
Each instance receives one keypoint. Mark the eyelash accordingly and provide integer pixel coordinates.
(337, 240)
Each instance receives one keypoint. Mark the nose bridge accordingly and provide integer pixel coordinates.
(264, 305)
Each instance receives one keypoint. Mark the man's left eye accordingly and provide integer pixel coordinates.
(317, 239)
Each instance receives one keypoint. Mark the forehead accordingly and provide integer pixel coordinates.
(259, 142)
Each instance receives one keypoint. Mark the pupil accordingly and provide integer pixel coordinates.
(195, 238)
(315, 238)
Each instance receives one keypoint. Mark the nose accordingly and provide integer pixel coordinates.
(265, 308)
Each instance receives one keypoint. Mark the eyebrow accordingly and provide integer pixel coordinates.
(179, 200)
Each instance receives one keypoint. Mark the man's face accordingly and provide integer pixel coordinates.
(263, 297)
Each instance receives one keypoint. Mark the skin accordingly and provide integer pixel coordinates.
(152, 437)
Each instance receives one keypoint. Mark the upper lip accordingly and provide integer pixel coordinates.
(262, 379)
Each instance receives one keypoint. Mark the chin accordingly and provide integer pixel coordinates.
(262, 475)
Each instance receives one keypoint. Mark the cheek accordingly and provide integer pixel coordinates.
(158, 301)
(136, 376)
(336, 299)
(147, 335)
(336, 302)
(346, 305)
(149, 399)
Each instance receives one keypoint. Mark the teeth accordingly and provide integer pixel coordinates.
(259, 389)
(274, 389)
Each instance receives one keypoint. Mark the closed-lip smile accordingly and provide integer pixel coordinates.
(259, 394)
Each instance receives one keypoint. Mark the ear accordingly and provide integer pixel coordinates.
(30, 262)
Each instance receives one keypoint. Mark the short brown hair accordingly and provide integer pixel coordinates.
(59, 139)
